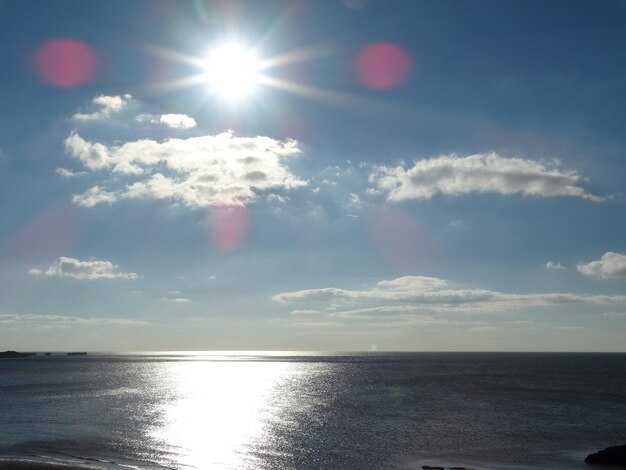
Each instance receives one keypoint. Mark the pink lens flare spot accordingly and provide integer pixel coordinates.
(48, 235)
(398, 238)
(64, 63)
(381, 66)
(227, 226)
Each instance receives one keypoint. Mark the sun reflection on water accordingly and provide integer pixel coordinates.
(217, 411)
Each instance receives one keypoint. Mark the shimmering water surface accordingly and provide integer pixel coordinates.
(308, 411)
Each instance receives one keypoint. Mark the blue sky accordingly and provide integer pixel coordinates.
(403, 175)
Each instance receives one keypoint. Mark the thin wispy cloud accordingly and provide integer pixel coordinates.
(84, 270)
(65, 173)
(611, 264)
(30, 318)
(482, 173)
(173, 298)
(554, 266)
(615, 314)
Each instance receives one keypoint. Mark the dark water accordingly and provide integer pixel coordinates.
(265, 411)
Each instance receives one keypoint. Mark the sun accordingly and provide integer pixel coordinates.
(232, 71)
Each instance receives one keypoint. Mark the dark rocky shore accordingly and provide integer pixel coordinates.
(21, 465)
(614, 456)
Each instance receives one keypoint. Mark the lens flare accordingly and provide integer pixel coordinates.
(64, 63)
(48, 235)
(382, 66)
(227, 226)
(398, 238)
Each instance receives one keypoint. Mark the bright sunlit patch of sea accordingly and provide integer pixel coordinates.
(217, 409)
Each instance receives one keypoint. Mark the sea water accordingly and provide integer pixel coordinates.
(312, 411)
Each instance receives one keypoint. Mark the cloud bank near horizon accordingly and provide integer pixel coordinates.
(62, 320)
(413, 296)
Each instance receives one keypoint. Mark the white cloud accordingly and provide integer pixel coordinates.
(198, 171)
(174, 121)
(354, 203)
(481, 173)
(94, 196)
(408, 283)
(65, 173)
(554, 266)
(178, 300)
(305, 312)
(610, 265)
(84, 270)
(177, 121)
(63, 320)
(412, 294)
(106, 106)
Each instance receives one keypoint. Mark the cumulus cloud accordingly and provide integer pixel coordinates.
(412, 294)
(481, 173)
(177, 121)
(105, 106)
(63, 320)
(198, 171)
(554, 266)
(84, 270)
(610, 265)
(93, 196)
(174, 121)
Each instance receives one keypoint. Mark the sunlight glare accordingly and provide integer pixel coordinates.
(233, 71)
(217, 419)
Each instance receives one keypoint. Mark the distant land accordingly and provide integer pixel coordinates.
(15, 354)
(12, 354)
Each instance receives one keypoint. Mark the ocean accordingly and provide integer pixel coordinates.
(312, 411)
